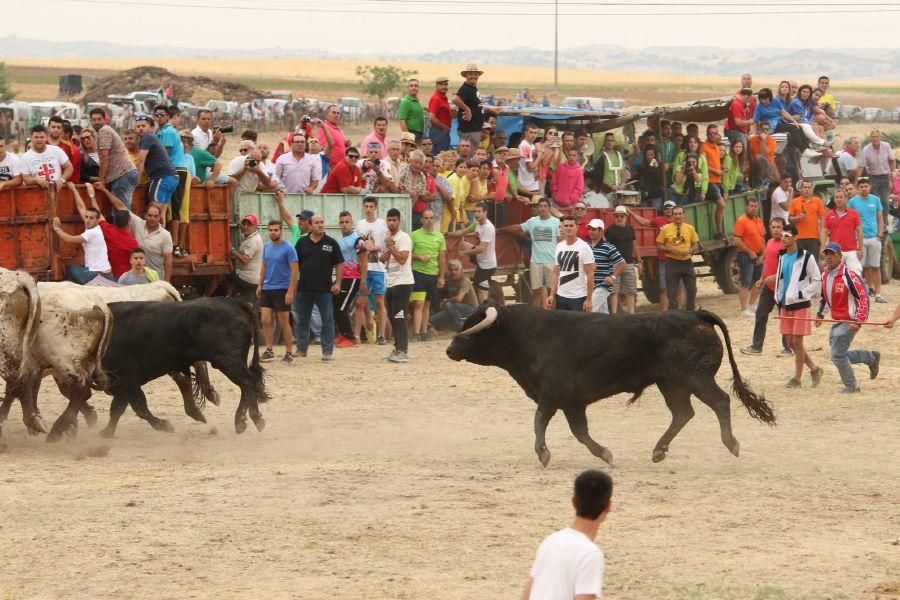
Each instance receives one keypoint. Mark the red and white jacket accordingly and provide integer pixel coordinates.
(848, 299)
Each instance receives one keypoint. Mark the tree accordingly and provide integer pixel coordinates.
(381, 81)
(7, 94)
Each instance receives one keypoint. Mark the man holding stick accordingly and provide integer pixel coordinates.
(845, 294)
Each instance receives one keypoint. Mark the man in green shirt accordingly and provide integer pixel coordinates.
(208, 166)
(429, 262)
(410, 112)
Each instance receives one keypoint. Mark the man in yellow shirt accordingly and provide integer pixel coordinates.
(679, 242)
(827, 102)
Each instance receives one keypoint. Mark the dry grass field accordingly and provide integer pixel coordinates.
(379, 481)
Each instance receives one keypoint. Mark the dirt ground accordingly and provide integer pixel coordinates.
(376, 480)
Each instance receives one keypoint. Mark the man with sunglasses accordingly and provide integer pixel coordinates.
(583, 231)
(679, 241)
(345, 177)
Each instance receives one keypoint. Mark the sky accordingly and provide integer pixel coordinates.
(398, 26)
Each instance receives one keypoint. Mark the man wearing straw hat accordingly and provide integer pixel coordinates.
(845, 295)
(468, 101)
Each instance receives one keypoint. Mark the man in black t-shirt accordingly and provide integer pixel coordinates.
(318, 254)
(470, 118)
(621, 235)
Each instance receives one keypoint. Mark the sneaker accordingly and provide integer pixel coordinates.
(267, 356)
(846, 390)
(391, 355)
(176, 252)
(793, 383)
(817, 375)
(185, 251)
(399, 357)
(381, 340)
(287, 358)
(300, 354)
(314, 339)
(344, 342)
(749, 313)
(752, 307)
(880, 299)
(750, 350)
(356, 341)
(327, 357)
(784, 352)
(875, 365)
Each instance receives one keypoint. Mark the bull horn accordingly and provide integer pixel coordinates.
(489, 319)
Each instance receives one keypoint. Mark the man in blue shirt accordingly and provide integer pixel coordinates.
(870, 213)
(277, 286)
(174, 147)
(543, 229)
(152, 159)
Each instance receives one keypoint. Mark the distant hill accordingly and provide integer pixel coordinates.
(688, 60)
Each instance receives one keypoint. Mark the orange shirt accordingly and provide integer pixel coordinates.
(752, 232)
(808, 228)
(713, 160)
(768, 151)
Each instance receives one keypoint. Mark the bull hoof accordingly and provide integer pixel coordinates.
(164, 426)
(658, 455)
(544, 457)
(606, 456)
(107, 433)
(36, 425)
(197, 415)
(90, 416)
(213, 396)
(260, 423)
(240, 427)
(54, 436)
(735, 447)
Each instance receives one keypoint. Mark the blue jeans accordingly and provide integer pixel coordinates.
(840, 337)
(82, 275)
(123, 186)
(303, 308)
(440, 140)
(452, 317)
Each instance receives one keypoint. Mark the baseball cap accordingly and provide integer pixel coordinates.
(621, 210)
(669, 204)
(251, 219)
(832, 247)
(142, 118)
(305, 215)
(441, 79)
(596, 224)
(486, 125)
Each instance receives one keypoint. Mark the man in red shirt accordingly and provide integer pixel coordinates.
(737, 126)
(766, 300)
(844, 226)
(750, 239)
(710, 149)
(57, 137)
(331, 136)
(844, 292)
(440, 116)
(658, 223)
(345, 177)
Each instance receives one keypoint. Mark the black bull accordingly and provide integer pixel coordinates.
(152, 339)
(567, 360)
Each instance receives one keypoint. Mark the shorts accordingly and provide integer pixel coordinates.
(425, 287)
(541, 275)
(750, 271)
(482, 278)
(161, 190)
(714, 192)
(626, 283)
(662, 277)
(376, 285)
(274, 299)
(872, 257)
(792, 327)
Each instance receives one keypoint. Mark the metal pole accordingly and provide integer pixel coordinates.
(556, 45)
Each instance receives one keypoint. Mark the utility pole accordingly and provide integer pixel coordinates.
(556, 45)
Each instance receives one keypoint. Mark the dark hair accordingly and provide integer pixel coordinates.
(203, 110)
(345, 213)
(274, 222)
(55, 119)
(68, 129)
(805, 86)
(580, 133)
(544, 201)
(746, 92)
(687, 139)
(483, 206)
(460, 161)
(393, 212)
(174, 110)
(121, 218)
(711, 126)
(38, 129)
(565, 218)
(351, 149)
(779, 219)
(665, 122)
(92, 209)
(825, 77)
(379, 119)
(97, 111)
(137, 250)
(163, 108)
(249, 134)
(790, 228)
(593, 489)
(370, 200)
(764, 94)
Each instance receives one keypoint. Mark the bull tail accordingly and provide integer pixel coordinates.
(101, 380)
(256, 368)
(31, 323)
(756, 404)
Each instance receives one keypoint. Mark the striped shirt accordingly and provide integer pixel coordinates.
(606, 256)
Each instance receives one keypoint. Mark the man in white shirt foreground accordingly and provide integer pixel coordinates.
(568, 564)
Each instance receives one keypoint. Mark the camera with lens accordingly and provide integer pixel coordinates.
(225, 129)
(305, 120)
(252, 163)
(370, 164)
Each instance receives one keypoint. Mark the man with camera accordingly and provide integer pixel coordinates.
(206, 137)
(246, 168)
(297, 170)
(375, 172)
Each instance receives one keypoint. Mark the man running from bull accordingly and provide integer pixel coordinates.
(845, 294)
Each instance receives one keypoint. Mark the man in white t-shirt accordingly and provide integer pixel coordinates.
(96, 260)
(568, 564)
(781, 199)
(528, 166)
(371, 292)
(484, 252)
(397, 259)
(10, 169)
(45, 164)
(573, 276)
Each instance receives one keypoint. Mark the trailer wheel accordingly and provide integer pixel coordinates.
(727, 271)
(888, 261)
(650, 279)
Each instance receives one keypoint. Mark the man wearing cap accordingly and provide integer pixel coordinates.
(658, 223)
(608, 267)
(410, 112)
(297, 170)
(345, 177)
(573, 274)
(621, 235)
(248, 260)
(543, 229)
(679, 241)
(440, 116)
(870, 209)
(844, 293)
(468, 101)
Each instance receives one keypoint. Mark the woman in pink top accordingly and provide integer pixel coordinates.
(567, 184)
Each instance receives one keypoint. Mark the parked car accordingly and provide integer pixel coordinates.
(282, 95)
(353, 108)
(895, 114)
(871, 113)
(67, 110)
(850, 112)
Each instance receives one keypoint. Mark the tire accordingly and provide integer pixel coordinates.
(650, 279)
(888, 260)
(726, 270)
